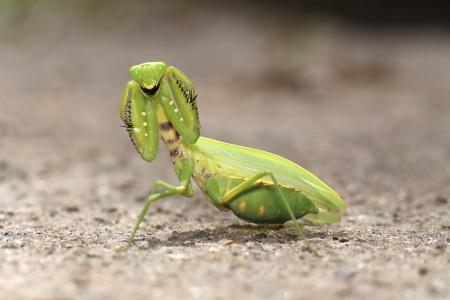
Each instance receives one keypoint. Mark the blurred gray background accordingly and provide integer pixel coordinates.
(355, 91)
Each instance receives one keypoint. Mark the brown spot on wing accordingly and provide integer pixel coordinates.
(242, 206)
(261, 210)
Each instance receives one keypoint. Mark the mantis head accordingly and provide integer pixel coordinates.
(148, 76)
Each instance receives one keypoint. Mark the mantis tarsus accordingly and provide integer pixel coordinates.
(259, 187)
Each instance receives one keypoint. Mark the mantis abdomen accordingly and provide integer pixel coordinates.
(259, 203)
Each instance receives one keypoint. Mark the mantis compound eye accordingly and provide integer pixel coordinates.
(150, 92)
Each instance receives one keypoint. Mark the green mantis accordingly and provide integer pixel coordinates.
(259, 187)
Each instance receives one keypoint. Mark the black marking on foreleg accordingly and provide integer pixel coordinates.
(128, 121)
(188, 92)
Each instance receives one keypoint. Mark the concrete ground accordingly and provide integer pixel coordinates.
(366, 110)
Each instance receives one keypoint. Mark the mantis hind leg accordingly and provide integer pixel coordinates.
(247, 183)
(291, 213)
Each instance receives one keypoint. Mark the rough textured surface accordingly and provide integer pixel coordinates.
(366, 111)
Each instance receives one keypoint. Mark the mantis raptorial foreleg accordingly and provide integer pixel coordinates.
(185, 119)
(231, 194)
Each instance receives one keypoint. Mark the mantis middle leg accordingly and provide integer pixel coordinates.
(185, 177)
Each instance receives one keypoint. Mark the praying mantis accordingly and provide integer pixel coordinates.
(257, 186)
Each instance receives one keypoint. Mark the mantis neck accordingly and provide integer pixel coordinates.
(170, 137)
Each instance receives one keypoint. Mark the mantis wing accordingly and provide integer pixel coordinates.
(235, 161)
